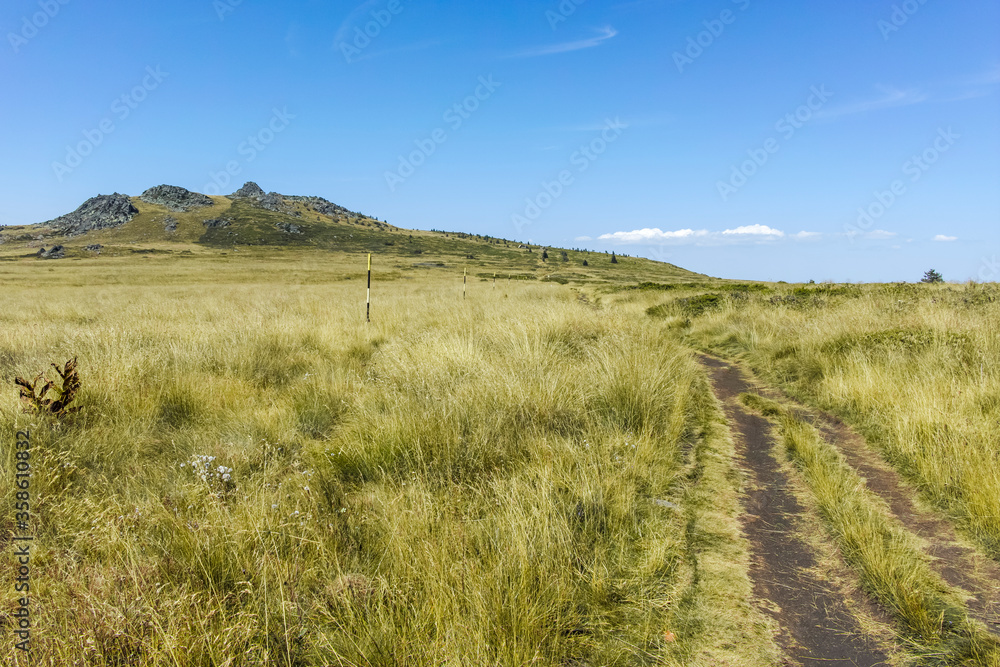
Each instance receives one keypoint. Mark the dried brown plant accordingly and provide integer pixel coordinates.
(33, 393)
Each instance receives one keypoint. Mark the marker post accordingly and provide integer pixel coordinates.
(368, 305)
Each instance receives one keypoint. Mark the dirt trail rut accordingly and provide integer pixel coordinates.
(958, 564)
(817, 628)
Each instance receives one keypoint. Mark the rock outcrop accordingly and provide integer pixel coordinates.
(175, 198)
(100, 212)
(323, 207)
(271, 201)
(216, 223)
(249, 189)
(55, 252)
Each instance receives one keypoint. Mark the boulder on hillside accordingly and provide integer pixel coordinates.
(249, 189)
(170, 224)
(100, 212)
(216, 223)
(55, 252)
(175, 198)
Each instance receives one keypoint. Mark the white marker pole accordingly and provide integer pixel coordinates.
(368, 306)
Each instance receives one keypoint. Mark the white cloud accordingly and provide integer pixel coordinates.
(942, 237)
(880, 234)
(604, 35)
(744, 234)
(584, 238)
(755, 230)
(652, 235)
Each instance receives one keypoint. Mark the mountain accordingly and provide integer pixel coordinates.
(171, 219)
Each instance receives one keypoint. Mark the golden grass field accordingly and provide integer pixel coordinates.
(460, 482)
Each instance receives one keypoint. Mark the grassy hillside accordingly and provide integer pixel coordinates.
(264, 234)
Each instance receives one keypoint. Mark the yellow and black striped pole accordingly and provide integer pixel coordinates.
(368, 305)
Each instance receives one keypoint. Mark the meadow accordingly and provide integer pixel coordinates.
(913, 367)
(537, 474)
(258, 476)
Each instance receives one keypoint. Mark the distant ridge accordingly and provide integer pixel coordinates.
(171, 220)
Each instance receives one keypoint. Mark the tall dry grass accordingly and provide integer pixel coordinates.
(457, 483)
(913, 367)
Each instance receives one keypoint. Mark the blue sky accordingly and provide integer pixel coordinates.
(850, 141)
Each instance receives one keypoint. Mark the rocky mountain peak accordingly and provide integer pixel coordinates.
(100, 212)
(175, 198)
(249, 189)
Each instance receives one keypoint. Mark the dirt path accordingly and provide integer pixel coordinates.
(817, 628)
(960, 565)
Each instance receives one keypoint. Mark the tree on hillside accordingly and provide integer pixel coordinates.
(545, 255)
(614, 260)
(932, 276)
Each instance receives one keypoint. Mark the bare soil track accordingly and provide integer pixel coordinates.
(817, 628)
(960, 565)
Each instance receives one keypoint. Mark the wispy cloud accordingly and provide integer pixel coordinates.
(944, 239)
(889, 98)
(604, 34)
(990, 77)
(344, 32)
(874, 235)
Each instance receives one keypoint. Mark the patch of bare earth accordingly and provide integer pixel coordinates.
(959, 564)
(816, 626)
